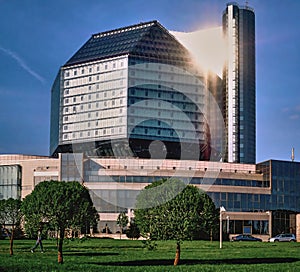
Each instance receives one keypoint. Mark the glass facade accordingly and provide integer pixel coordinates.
(284, 178)
(285, 184)
(10, 181)
(258, 227)
(94, 101)
(71, 167)
(125, 89)
(55, 115)
(239, 84)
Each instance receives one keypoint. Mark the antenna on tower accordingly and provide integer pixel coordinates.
(293, 154)
(246, 4)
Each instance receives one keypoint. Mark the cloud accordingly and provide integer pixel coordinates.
(22, 63)
(294, 117)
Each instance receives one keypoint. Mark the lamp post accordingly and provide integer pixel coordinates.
(222, 209)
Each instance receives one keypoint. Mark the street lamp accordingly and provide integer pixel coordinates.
(222, 209)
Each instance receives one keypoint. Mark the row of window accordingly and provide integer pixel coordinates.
(94, 116)
(108, 104)
(94, 133)
(104, 85)
(95, 124)
(157, 92)
(104, 66)
(85, 94)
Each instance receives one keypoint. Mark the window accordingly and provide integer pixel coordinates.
(90, 78)
(66, 91)
(75, 72)
(90, 70)
(82, 71)
(74, 99)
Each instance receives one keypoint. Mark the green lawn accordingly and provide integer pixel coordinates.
(125, 255)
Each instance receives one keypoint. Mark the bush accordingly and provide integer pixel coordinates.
(133, 231)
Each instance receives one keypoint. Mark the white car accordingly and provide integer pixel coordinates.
(285, 237)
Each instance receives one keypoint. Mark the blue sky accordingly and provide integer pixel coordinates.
(37, 37)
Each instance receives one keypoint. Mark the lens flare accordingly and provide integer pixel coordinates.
(207, 48)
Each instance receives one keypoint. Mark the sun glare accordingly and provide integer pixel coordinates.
(207, 47)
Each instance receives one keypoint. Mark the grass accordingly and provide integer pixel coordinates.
(125, 255)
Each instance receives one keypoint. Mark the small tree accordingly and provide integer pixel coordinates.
(122, 221)
(133, 231)
(10, 214)
(62, 204)
(169, 210)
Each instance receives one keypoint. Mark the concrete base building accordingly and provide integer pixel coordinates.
(262, 198)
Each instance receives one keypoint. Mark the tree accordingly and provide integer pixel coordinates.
(61, 204)
(170, 210)
(210, 216)
(133, 231)
(122, 221)
(10, 214)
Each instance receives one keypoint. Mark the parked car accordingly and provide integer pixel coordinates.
(246, 237)
(284, 237)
